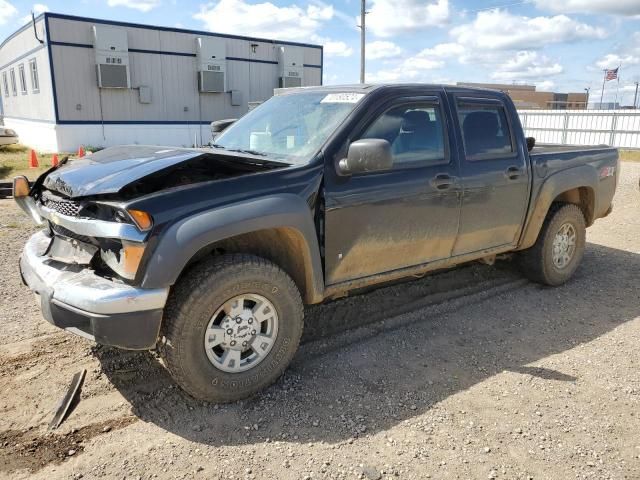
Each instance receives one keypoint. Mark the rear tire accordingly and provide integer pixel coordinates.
(220, 303)
(555, 256)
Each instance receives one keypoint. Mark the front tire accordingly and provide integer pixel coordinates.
(231, 328)
(555, 256)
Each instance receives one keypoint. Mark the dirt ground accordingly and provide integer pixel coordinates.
(471, 373)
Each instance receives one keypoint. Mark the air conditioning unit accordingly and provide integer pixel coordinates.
(291, 67)
(212, 64)
(112, 56)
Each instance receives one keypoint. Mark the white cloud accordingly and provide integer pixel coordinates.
(500, 30)
(37, 9)
(7, 12)
(614, 7)
(612, 60)
(264, 19)
(526, 65)
(334, 48)
(382, 50)
(444, 51)
(141, 5)
(506, 46)
(330, 79)
(545, 86)
(628, 88)
(392, 17)
(625, 55)
(418, 67)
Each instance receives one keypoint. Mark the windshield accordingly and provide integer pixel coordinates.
(289, 128)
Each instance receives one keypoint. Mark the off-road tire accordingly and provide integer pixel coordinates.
(189, 309)
(536, 263)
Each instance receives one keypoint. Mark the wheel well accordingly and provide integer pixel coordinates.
(583, 197)
(284, 246)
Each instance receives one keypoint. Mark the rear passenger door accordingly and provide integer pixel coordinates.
(494, 175)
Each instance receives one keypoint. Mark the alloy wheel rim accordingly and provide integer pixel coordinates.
(564, 246)
(241, 333)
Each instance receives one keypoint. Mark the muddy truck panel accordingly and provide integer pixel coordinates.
(317, 192)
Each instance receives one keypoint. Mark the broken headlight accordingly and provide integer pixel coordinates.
(123, 257)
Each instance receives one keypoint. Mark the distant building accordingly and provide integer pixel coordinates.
(526, 97)
(70, 81)
(605, 106)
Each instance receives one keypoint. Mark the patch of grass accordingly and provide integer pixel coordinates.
(630, 155)
(14, 160)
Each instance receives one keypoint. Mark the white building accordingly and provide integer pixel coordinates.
(80, 81)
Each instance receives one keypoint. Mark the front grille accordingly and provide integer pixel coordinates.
(61, 205)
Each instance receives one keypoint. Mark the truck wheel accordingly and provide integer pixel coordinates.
(559, 248)
(232, 326)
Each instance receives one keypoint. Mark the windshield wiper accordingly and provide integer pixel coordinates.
(250, 152)
(255, 153)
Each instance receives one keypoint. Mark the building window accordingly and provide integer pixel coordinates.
(5, 83)
(33, 68)
(23, 79)
(14, 88)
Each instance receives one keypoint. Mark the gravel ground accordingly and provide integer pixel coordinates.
(471, 373)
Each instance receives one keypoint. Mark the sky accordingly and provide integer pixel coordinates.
(557, 45)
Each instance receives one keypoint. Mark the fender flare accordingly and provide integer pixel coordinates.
(181, 241)
(556, 184)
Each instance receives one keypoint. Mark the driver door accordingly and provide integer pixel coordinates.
(383, 221)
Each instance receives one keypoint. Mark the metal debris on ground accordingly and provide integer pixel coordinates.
(68, 402)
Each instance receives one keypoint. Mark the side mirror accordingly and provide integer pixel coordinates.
(366, 155)
(531, 142)
(219, 126)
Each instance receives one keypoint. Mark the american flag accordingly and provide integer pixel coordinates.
(611, 74)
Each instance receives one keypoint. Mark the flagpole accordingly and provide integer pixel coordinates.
(617, 87)
(604, 79)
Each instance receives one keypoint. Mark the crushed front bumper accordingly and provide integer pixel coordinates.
(78, 300)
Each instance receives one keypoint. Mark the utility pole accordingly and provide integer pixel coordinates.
(635, 97)
(363, 12)
(586, 103)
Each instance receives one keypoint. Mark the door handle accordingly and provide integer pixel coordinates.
(512, 173)
(443, 181)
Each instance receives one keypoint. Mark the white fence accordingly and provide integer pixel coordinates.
(620, 128)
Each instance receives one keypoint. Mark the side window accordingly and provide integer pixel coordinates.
(485, 131)
(14, 89)
(35, 82)
(23, 79)
(415, 132)
(5, 84)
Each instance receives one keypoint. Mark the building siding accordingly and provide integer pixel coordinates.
(164, 61)
(18, 50)
(161, 58)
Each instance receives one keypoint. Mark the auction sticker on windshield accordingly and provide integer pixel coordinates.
(344, 97)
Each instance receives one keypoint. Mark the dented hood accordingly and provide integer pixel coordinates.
(110, 170)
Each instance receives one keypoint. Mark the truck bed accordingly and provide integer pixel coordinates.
(550, 148)
(559, 157)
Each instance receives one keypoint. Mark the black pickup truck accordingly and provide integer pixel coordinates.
(209, 254)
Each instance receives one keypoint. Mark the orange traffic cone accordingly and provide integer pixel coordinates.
(80, 151)
(33, 159)
(54, 160)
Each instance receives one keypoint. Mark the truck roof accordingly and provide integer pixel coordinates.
(368, 88)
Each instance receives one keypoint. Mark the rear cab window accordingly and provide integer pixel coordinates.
(486, 132)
